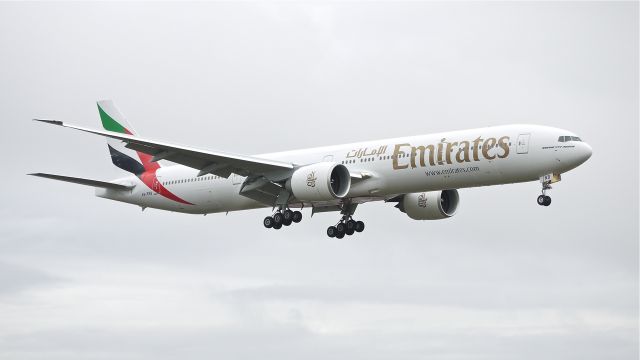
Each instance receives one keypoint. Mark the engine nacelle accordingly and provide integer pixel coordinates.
(320, 182)
(433, 205)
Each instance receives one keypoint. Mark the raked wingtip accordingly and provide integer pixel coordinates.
(54, 122)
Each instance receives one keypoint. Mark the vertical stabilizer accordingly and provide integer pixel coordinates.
(126, 159)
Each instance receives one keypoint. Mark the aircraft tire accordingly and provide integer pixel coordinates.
(332, 231)
(278, 218)
(287, 214)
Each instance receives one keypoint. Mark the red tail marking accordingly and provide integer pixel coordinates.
(150, 179)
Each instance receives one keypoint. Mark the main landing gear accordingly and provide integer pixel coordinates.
(544, 199)
(282, 218)
(346, 226)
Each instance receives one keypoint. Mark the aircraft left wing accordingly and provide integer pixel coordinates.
(219, 163)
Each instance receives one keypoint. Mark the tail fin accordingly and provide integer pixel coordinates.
(126, 159)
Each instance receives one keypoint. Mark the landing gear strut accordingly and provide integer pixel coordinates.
(282, 218)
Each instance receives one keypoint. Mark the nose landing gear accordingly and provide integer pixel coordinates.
(547, 180)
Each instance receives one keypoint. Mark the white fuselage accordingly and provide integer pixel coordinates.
(389, 167)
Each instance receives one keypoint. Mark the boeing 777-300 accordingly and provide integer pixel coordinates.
(420, 174)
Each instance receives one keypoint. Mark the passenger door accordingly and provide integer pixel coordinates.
(522, 147)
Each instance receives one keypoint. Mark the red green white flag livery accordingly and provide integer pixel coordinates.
(421, 174)
(135, 162)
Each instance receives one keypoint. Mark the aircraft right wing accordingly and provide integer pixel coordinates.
(264, 177)
(214, 162)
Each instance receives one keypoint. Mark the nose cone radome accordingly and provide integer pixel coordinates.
(575, 156)
(585, 152)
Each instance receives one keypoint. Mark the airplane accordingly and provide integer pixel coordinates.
(420, 174)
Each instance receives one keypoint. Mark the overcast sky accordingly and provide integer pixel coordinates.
(86, 278)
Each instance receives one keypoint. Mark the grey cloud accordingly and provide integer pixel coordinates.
(15, 278)
(477, 296)
(292, 342)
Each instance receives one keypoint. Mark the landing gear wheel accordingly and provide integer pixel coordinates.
(346, 224)
(332, 231)
(278, 218)
(268, 222)
(277, 226)
(297, 216)
(288, 216)
(286, 222)
(544, 200)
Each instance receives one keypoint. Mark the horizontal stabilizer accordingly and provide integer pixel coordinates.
(81, 181)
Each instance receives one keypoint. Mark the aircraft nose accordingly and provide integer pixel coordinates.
(585, 152)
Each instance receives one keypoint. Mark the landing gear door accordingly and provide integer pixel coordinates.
(522, 147)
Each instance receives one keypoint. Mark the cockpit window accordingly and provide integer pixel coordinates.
(568, 138)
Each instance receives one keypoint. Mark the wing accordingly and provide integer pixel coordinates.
(82, 181)
(218, 163)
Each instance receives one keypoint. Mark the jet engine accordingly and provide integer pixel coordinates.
(433, 205)
(320, 182)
